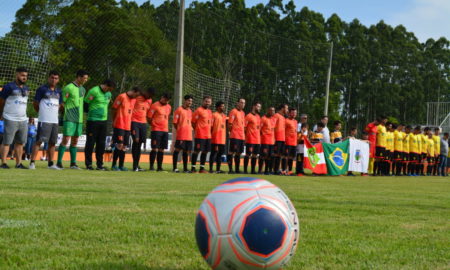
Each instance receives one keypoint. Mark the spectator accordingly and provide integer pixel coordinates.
(443, 155)
(31, 138)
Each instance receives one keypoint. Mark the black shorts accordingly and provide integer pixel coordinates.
(266, 150)
(389, 155)
(220, 148)
(183, 145)
(121, 136)
(424, 156)
(414, 158)
(278, 148)
(252, 149)
(202, 145)
(290, 151)
(236, 146)
(397, 156)
(139, 131)
(405, 157)
(431, 160)
(160, 139)
(380, 152)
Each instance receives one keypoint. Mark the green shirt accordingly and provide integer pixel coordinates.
(98, 104)
(73, 102)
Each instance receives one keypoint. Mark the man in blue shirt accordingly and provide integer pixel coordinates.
(13, 111)
(2, 130)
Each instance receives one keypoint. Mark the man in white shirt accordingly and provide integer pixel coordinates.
(325, 131)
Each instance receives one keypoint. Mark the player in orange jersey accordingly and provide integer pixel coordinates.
(139, 125)
(290, 151)
(252, 137)
(267, 141)
(122, 110)
(280, 136)
(202, 122)
(182, 121)
(236, 123)
(218, 137)
(159, 114)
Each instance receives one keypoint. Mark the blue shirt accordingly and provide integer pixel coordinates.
(16, 99)
(32, 130)
(2, 127)
(49, 101)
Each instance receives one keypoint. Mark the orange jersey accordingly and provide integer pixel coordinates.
(202, 119)
(252, 129)
(140, 109)
(237, 121)
(280, 126)
(267, 130)
(124, 108)
(160, 116)
(291, 132)
(183, 118)
(219, 128)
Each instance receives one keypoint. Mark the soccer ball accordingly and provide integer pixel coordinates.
(247, 223)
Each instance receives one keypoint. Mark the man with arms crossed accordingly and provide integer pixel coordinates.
(280, 136)
(236, 123)
(47, 102)
(218, 137)
(252, 137)
(182, 121)
(202, 122)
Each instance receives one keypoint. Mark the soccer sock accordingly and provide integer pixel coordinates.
(202, 160)
(267, 163)
(230, 162)
(115, 156)
(175, 159)
(253, 164)
(283, 164)
(260, 164)
(160, 157)
(237, 162)
(194, 160)
(375, 167)
(185, 160)
(61, 150)
(219, 161)
(73, 154)
(121, 158)
(290, 164)
(394, 167)
(152, 159)
(275, 164)
(135, 153)
(212, 158)
(246, 159)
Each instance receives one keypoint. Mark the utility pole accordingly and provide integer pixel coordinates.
(327, 97)
(180, 55)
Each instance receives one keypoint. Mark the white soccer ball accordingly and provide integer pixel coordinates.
(247, 223)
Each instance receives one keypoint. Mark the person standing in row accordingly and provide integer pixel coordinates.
(236, 123)
(97, 100)
(267, 141)
(291, 142)
(122, 110)
(159, 120)
(280, 136)
(31, 138)
(13, 110)
(218, 137)
(139, 125)
(252, 137)
(182, 121)
(73, 95)
(202, 122)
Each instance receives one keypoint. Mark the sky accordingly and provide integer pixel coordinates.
(426, 18)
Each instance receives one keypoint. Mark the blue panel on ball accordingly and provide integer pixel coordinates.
(264, 231)
(241, 179)
(202, 235)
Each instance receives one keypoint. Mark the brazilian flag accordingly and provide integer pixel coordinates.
(336, 157)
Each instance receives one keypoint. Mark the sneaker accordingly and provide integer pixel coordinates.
(139, 169)
(176, 171)
(89, 168)
(115, 168)
(60, 166)
(32, 166)
(123, 169)
(75, 167)
(53, 167)
(4, 166)
(203, 171)
(43, 158)
(20, 166)
(101, 168)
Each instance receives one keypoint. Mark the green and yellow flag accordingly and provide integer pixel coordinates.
(336, 157)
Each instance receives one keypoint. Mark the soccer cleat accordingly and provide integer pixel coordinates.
(53, 167)
(203, 171)
(231, 172)
(152, 169)
(187, 171)
(89, 168)
(101, 168)
(176, 171)
(60, 166)
(75, 167)
(20, 166)
(32, 166)
(123, 169)
(300, 174)
(115, 168)
(220, 172)
(4, 166)
(139, 169)
(194, 170)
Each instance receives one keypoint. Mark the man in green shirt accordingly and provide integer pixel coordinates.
(98, 99)
(73, 95)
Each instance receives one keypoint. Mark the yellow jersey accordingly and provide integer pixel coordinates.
(414, 146)
(430, 147)
(423, 143)
(390, 141)
(437, 144)
(398, 140)
(406, 143)
(381, 136)
(336, 136)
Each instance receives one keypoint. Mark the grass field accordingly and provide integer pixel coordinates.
(124, 220)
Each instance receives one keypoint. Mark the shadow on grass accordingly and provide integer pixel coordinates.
(121, 266)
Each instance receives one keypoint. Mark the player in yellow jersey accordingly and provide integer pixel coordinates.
(414, 152)
(398, 150)
(389, 146)
(423, 149)
(431, 154)
(380, 165)
(406, 148)
(336, 135)
(437, 149)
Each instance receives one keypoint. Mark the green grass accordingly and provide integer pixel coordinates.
(125, 220)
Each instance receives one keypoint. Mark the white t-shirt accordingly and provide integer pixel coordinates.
(16, 100)
(49, 101)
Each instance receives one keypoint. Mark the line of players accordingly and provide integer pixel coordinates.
(404, 150)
